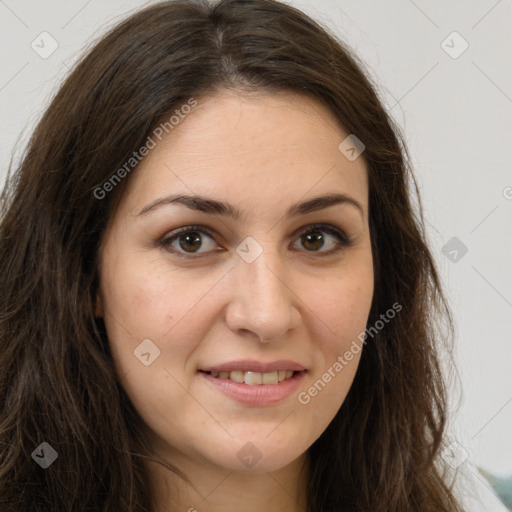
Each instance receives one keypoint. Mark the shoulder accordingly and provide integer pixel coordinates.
(474, 491)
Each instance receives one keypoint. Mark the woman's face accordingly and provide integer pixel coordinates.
(204, 325)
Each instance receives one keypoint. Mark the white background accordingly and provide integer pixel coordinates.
(456, 114)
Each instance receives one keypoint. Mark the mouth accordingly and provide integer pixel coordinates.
(255, 383)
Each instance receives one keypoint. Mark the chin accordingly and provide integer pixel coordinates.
(257, 454)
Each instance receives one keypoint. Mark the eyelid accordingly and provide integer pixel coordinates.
(343, 239)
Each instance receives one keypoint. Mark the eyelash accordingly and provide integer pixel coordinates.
(343, 240)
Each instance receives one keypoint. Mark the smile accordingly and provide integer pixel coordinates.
(253, 388)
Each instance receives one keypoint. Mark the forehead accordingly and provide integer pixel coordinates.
(250, 149)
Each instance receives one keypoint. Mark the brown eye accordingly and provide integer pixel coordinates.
(192, 241)
(313, 240)
(320, 236)
(189, 240)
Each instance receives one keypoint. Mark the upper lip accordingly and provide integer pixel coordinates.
(247, 365)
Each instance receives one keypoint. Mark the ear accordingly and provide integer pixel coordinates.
(98, 311)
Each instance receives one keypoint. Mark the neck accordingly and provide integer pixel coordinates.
(214, 489)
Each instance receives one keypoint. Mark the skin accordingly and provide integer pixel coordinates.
(261, 153)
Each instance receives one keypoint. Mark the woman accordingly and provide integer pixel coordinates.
(217, 293)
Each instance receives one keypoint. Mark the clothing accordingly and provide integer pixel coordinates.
(475, 492)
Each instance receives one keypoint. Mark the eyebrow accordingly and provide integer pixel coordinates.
(212, 206)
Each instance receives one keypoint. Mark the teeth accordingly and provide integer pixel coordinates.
(254, 378)
(269, 378)
(236, 376)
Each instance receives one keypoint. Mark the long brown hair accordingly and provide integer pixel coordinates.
(57, 380)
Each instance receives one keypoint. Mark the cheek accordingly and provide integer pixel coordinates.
(340, 311)
(343, 304)
(140, 307)
(144, 303)
(144, 298)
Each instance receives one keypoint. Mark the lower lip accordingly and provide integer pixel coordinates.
(259, 394)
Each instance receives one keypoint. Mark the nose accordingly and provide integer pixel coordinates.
(263, 301)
